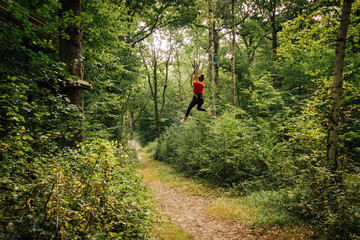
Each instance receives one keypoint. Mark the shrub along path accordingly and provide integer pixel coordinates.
(189, 210)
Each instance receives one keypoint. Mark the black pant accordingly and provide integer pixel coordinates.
(197, 99)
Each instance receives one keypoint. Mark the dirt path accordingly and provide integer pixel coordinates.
(188, 211)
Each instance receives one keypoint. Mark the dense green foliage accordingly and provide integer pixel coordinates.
(140, 57)
(47, 189)
(276, 138)
(227, 151)
(87, 193)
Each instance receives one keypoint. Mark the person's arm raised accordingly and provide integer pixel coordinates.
(196, 78)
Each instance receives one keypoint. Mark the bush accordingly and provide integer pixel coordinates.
(330, 206)
(227, 151)
(89, 193)
(324, 199)
(251, 154)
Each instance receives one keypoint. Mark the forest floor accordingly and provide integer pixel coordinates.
(190, 208)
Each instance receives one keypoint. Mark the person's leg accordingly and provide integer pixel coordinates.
(200, 102)
(191, 105)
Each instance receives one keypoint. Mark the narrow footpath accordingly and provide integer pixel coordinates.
(188, 211)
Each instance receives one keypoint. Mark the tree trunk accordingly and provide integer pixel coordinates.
(71, 49)
(333, 160)
(179, 81)
(274, 32)
(70, 53)
(167, 64)
(211, 42)
(216, 59)
(153, 87)
(132, 123)
(233, 53)
(211, 54)
(273, 26)
(216, 65)
(155, 96)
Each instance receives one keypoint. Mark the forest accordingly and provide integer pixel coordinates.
(78, 79)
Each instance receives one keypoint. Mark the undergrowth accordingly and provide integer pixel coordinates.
(280, 169)
(261, 210)
(86, 193)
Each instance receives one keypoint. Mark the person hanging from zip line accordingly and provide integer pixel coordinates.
(198, 99)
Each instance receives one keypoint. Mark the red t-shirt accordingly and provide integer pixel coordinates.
(198, 87)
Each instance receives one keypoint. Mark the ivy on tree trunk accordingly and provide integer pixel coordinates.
(70, 53)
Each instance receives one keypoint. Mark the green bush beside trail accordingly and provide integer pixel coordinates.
(88, 193)
(249, 155)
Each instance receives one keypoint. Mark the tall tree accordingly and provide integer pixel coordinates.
(220, 15)
(155, 15)
(133, 120)
(156, 60)
(271, 14)
(333, 125)
(216, 46)
(233, 45)
(70, 53)
(211, 50)
(211, 41)
(154, 88)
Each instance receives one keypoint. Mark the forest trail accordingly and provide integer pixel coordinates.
(188, 211)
